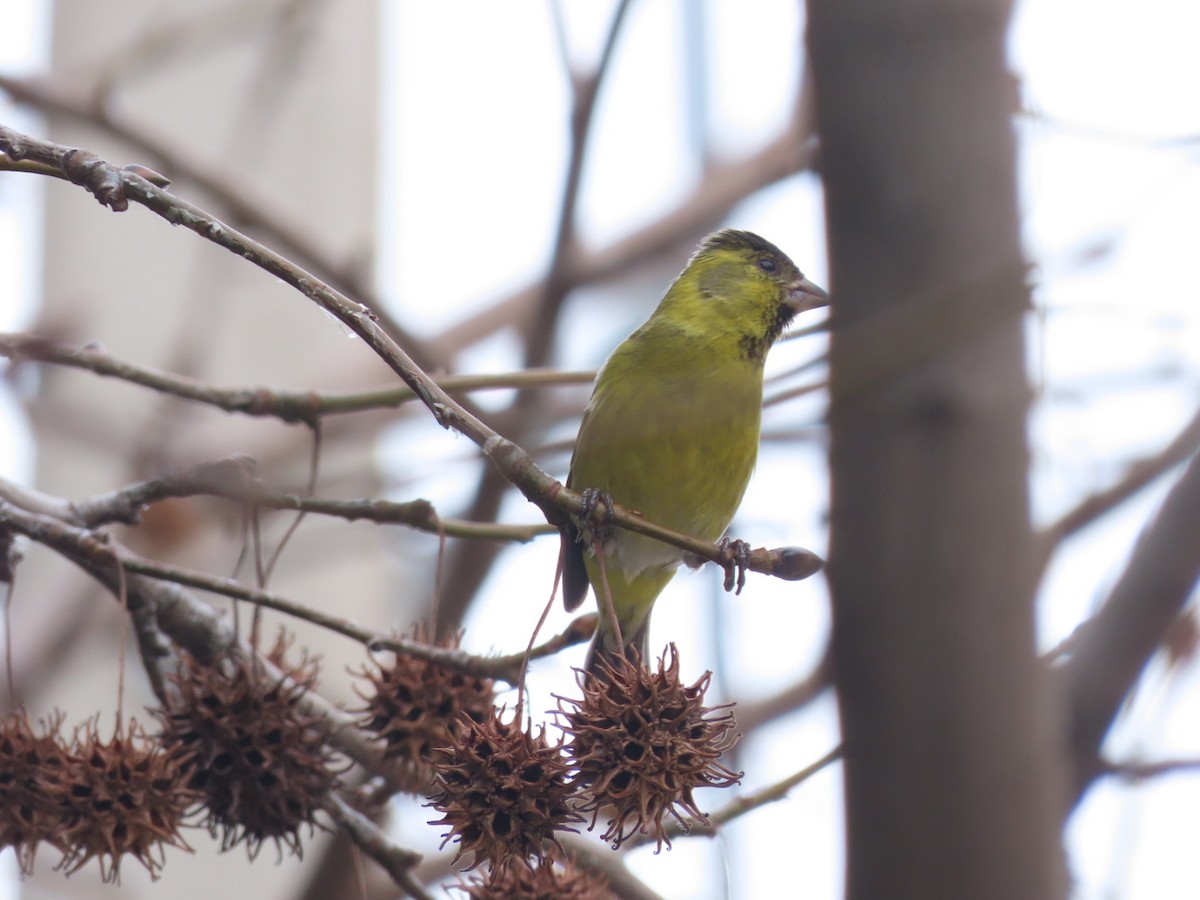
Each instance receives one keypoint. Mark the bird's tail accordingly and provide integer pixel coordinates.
(605, 649)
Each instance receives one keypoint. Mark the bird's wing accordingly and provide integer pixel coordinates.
(575, 582)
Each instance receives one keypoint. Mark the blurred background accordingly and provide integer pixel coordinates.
(512, 186)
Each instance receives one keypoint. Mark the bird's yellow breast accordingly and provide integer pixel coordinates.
(672, 432)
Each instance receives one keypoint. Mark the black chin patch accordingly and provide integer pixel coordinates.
(755, 346)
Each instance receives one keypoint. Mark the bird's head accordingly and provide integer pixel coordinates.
(738, 282)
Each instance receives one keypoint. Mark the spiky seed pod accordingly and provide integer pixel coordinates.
(502, 790)
(32, 785)
(125, 797)
(262, 765)
(642, 742)
(551, 879)
(416, 706)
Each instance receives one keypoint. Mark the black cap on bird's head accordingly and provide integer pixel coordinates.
(735, 239)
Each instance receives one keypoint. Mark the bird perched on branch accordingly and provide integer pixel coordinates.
(672, 427)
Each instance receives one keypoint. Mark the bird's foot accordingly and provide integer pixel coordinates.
(596, 514)
(735, 559)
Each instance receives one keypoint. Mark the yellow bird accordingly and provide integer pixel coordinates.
(672, 427)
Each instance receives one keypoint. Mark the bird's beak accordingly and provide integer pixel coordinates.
(803, 295)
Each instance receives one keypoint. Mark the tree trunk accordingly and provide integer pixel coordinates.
(954, 766)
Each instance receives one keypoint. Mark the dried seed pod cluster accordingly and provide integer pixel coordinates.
(128, 797)
(503, 792)
(33, 765)
(234, 740)
(642, 742)
(237, 749)
(639, 744)
(417, 706)
(551, 877)
(93, 799)
(260, 762)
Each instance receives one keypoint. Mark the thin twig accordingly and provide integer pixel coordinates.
(232, 479)
(1137, 476)
(287, 406)
(1109, 652)
(314, 464)
(584, 89)
(751, 716)
(1144, 771)
(102, 550)
(746, 803)
(792, 393)
(593, 856)
(192, 625)
(397, 861)
(152, 647)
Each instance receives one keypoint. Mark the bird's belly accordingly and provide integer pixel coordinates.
(689, 482)
(635, 554)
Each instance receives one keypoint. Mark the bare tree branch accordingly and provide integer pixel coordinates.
(752, 716)
(746, 803)
(596, 858)
(288, 406)
(101, 550)
(234, 479)
(189, 623)
(397, 861)
(585, 89)
(1139, 771)
(1110, 650)
(1138, 475)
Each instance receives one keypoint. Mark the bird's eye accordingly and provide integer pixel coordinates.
(767, 264)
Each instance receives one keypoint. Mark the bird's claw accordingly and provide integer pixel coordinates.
(592, 499)
(735, 559)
